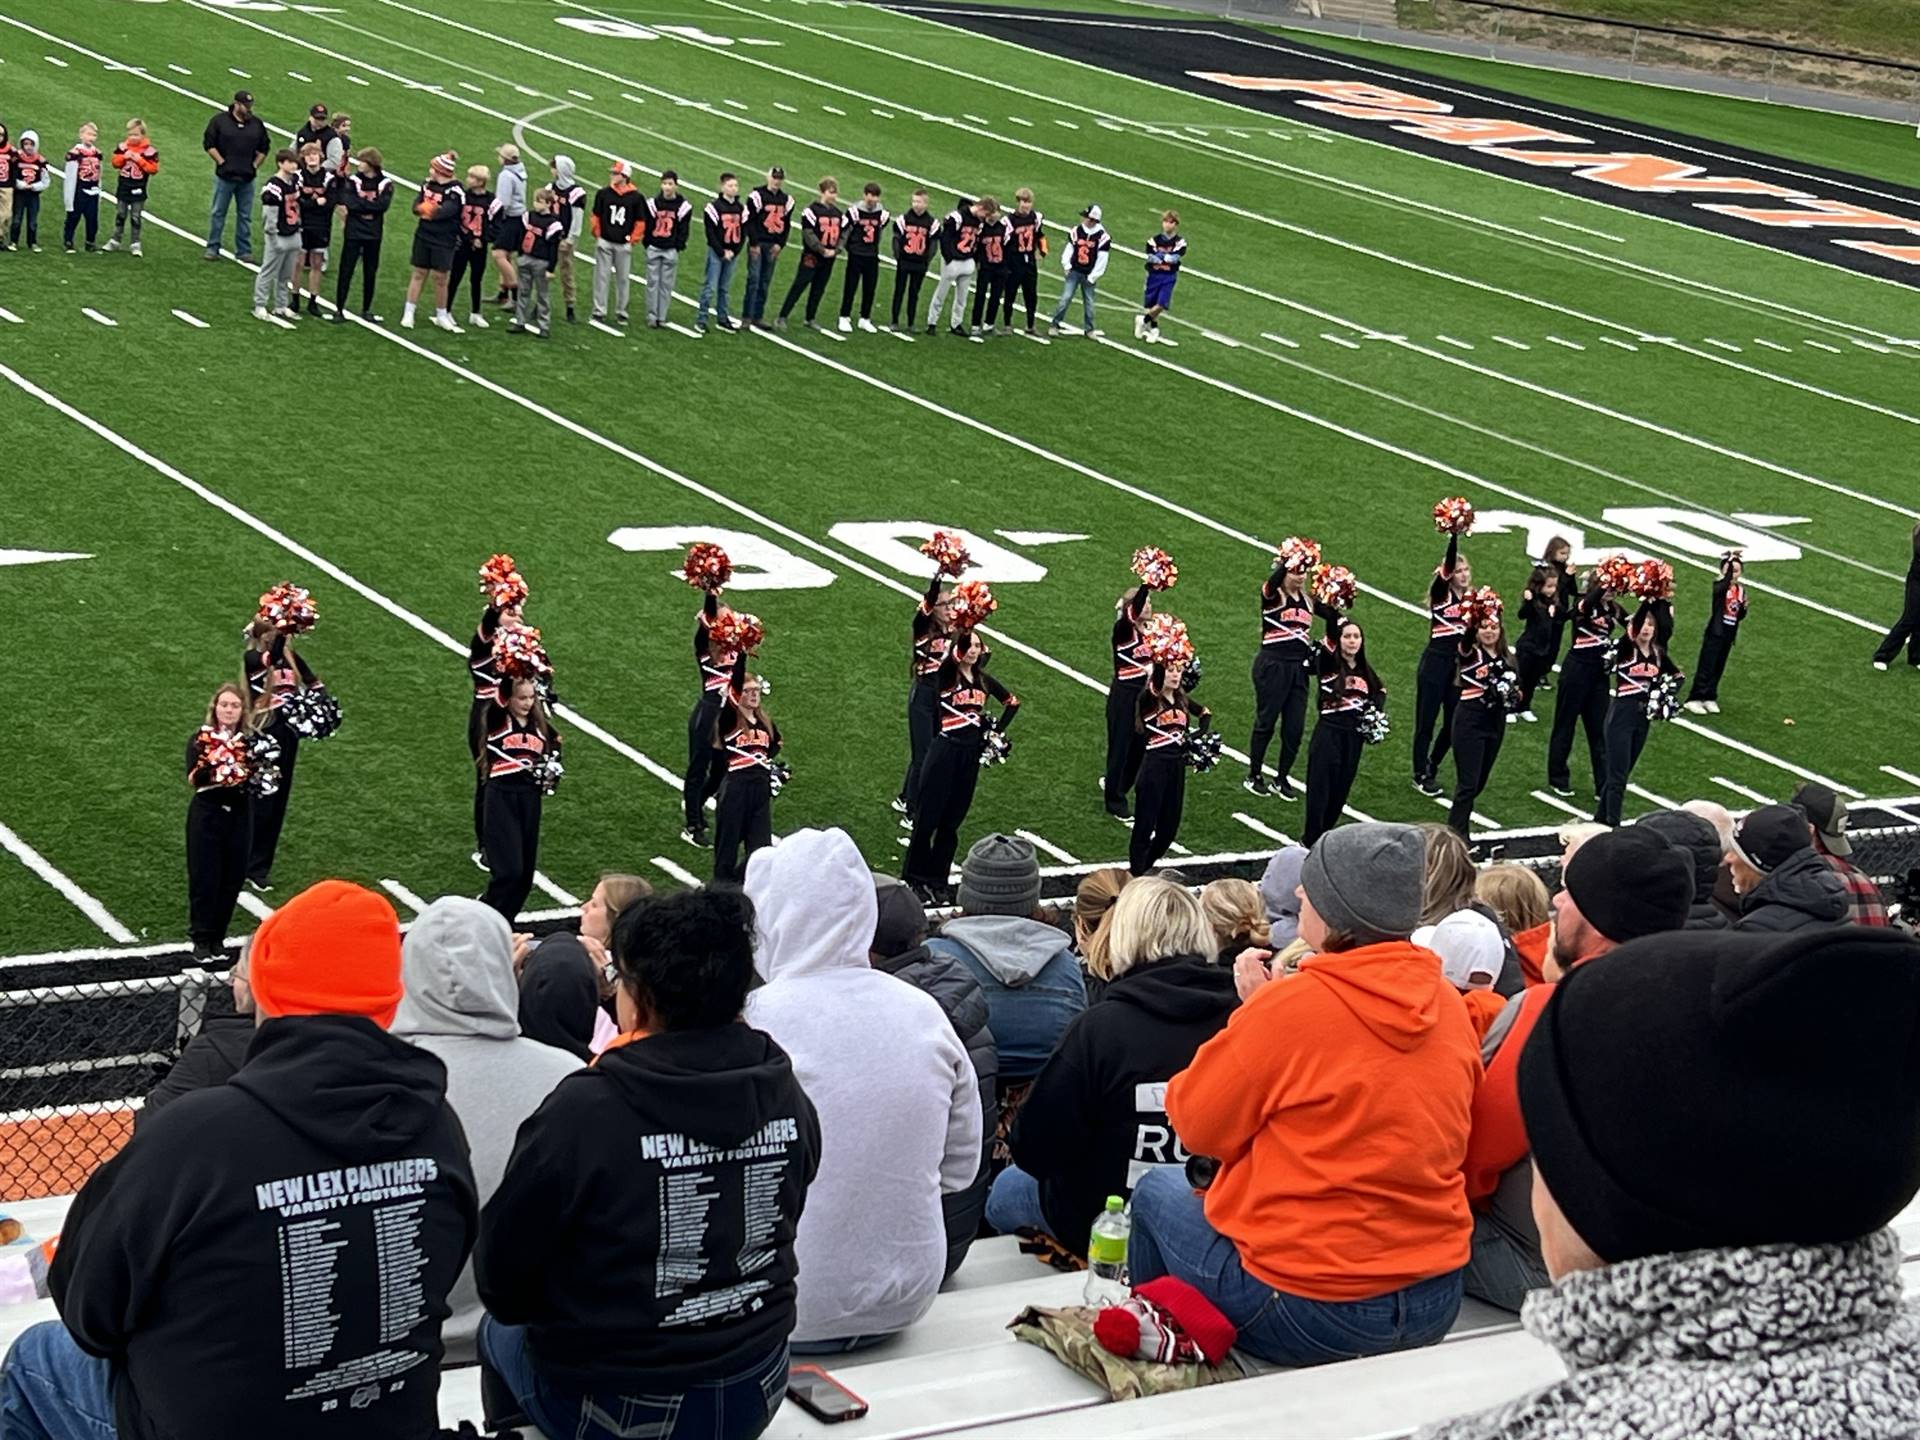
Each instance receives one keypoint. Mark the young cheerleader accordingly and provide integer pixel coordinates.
(275, 673)
(1639, 660)
(1581, 698)
(521, 748)
(1559, 559)
(1436, 693)
(1349, 687)
(1544, 608)
(702, 780)
(1724, 615)
(747, 742)
(506, 592)
(952, 767)
(1163, 719)
(1282, 672)
(1130, 666)
(1480, 722)
(219, 818)
(930, 634)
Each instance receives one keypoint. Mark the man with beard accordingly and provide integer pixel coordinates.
(1616, 887)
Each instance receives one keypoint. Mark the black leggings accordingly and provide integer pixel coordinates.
(989, 289)
(476, 747)
(1579, 699)
(1478, 730)
(270, 811)
(1435, 696)
(923, 709)
(1025, 281)
(1333, 760)
(863, 273)
(1125, 746)
(811, 279)
(704, 770)
(471, 263)
(1280, 689)
(1715, 646)
(743, 821)
(1156, 811)
(906, 286)
(1627, 727)
(512, 844)
(361, 254)
(219, 837)
(947, 782)
(1532, 665)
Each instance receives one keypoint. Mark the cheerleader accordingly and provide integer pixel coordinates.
(1130, 666)
(1437, 694)
(481, 669)
(746, 742)
(930, 635)
(1545, 607)
(1639, 660)
(702, 780)
(1282, 671)
(1906, 630)
(1724, 615)
(1558, 559)
(1349, 687)
(1164, 715)
(1480, 722)
(952, 767)
(1581, 698)
(219, 818)
(274, 672)
(520, 740)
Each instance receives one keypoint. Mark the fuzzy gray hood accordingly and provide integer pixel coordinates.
(1013, 948)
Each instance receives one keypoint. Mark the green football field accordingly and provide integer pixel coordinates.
(1362, 332)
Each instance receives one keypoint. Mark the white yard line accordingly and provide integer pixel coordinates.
(606, 329)
(1822, 345)
(191, 319)
(553, 891)
(1339, 340)
(1584, 230)
(1727, 345)
(1554, 802)
(1514, 344)
(1619, 344)
(1662, 801)
(678, 872)
(1899, 774)
(1745, 791)
(1041, 843)
(60, 881)
(405, 896)
(1773, 345)
(1457, 344)
(1774, 760)
(1260, 827)
(10, 317)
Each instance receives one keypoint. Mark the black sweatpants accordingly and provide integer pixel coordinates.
(1333, 760)
(1125, 745)
(1579, 699)
(863, 273)
(1435, 696)
(87, 208)
(947, 782)
(219, 839)
(476, 746)
(1478, 730)
(270, 811)
(811, 279)
(1156, 811)
(1023, 280)
(906, 287)
(512, 844)
(1531, 666)
(363, 255)
(1627, 727)
(989, 291)
(1715, 646)
(1280, 689)
(705, 770)
(923, 711)
(472, 264)
(742, 822)
(1905, 631)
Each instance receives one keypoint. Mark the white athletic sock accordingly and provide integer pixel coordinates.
(409, 314)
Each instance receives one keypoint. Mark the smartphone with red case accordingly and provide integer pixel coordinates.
(822, 1396)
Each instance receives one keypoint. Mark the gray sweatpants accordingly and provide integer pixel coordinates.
(954, 275)
(530, 308)
(275, 280)
(663, 268)
(612, 264)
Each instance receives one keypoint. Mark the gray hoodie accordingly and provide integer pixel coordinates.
(510, 191)
(462, 1004)
(1032, 982)
(563, 180)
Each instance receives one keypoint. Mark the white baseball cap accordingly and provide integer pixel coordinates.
(1469, 946)
(1092, 212)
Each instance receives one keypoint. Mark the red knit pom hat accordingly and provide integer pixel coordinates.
(1196, 1315)
(333, 949)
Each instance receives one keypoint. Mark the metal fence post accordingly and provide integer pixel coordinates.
(192, 1013)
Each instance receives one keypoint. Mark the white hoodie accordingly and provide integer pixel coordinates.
(898, 1102)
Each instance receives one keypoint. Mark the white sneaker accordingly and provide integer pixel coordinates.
(1879, 664)
(1152, 337)
(846, 326)
(445, 322)
(1713, 707)
(134, 249)
(260, 312)
(1694, 707)
(406, 322)
(287, 312)
(111, 245)
(1139, 327)
(868, 326)
(1529, 717)
(477, 320)
(1512, 719)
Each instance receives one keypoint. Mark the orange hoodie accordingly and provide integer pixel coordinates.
(1337, 1102)
(1531, 947)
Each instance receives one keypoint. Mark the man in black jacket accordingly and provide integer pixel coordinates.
(236, 141)
(271, 1256)
(213, 1055)
(1782, 881)
(1696, 839)
(637, 1260)
(900, 949)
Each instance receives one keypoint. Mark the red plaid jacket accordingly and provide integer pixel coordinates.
(1865, 904)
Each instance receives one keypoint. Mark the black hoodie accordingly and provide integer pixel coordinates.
(559, 996)
(272, 1256)
(1694, 837)
(1096, 1118)
(644, 1228)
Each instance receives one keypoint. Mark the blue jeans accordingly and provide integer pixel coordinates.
(1171, 1236)
(735, 1407)
(718, 281)
(1014, 1203)
(761, 259)
(227, 192)
(50, 1389)
(1503, 1269)
(1083, 284)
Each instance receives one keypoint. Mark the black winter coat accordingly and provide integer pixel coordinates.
(1804, 890)
(211, 1058)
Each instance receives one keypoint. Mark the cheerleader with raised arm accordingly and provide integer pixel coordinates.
(1130, 667)
(708, 569)
(1559, 559)
(930, 634)
(1545, 607)
(1352, 708)
(1437, 693)
(1906, 630)
(506, 592)
(1165, 719)
(275, 674)
(520, 766)
(1646, 683)
(1283, 665)
(219, 817)
(1724, 614)
(746, 746)
(1581, 697)
(1488, 687)
(954, 759)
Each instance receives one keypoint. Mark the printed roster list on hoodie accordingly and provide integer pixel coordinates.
(687, 1193)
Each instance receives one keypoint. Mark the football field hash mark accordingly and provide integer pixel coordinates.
(1569, 344)
(1822, 345)
(10, 317)
(191, 319)
(1619, 344)
(99, 319)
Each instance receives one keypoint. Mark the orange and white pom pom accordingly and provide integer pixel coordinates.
(1335, 585)
(289, 609)
(518, 653)
(502, 582)
(707, 567)
(1481, 605)
(735, 630)
(1453, 516)
(948, 552)
(1165, 639)
(972, 603)
(1298, 553)
(1155, 568)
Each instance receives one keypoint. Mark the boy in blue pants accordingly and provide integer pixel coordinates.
(1165, 254)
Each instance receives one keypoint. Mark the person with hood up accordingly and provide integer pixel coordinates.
(1714, 1180)
(1336, 1102)
(461, 1004)
(1699, 843)
(1024, 964)
(271, 1256)
(900, 949)
(891, 1081)
(31, 176)
(1280, 892)
(638, 1260)
(574, 203)
(1784, 884)
(213, 1055)
(1095, 1121)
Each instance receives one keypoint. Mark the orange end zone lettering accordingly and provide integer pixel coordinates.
(1646, 174)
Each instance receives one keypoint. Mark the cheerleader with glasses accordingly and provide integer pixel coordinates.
(506, 592)
(1283, 665)
(276, 674)
(1581, 697)
(932, 623)
(1351, 697)
(953, 761)
(519, 767)
(1724, 614)
(1436, 693)
(746, 744)
(1486, 683)
(1640, 662)
(1165, 717)
(219, 817)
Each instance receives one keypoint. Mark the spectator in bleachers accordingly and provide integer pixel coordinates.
(1520, 902)
(555, 1007)
(462, 1005)
(213, 1055)
(1470, 952)
(1451, 881)
(1020, 958)
(638, 1260)
(1096, 1121)
(1696, 839)
(1715, 1179)
(893, 1085)
(1238, 917)
(1280, 892)
(266, 1252)
(1725, 898)
(900, 949)
(1782, 882)
(1826, 816)
(1336, 1102)
(1093, 901)
(1618, 886)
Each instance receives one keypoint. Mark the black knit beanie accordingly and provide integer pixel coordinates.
(1693, 836)
(1712, 1089)
(1630, 883)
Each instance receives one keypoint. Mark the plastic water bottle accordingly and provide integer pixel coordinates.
(1107, 1255)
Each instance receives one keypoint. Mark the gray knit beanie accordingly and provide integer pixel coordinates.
(1367, 880)
(1000, 876)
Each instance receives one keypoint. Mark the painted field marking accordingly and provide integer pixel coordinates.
(405, 896)
(680, 329)
(606, 329)
(1066, 124)
(1773, 760)
(10, 317)
(296, 75)
(1745, 791)
(790, 109)
(1018, 121)
(253, 904)
(1869, 345)
(474, 89)
(553, 891)
(1570, 344)
(1619, 344)
(833, 110)
(1175, 847)
(189, 318)
(99, 319)
(678, 872)
(1727, 345)
(1899, 774)
(1260, 827)
(1554, 802)
(356, 80)
(1340, 340)
(1446, 803)
(878, 112)
(1515, 344)
(1449, 340)
(1213, 335)
(1662, 801)
(1584, 230)
(1280, 340)
(580, 95)
(278, 323)
(1822, 345)
(80, 900)
(178, 69)
(1773, 345)
(1039, 843)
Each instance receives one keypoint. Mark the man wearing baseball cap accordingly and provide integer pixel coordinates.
(1782, 883)
(1826, 816)
(236, 141)
(271, 1255)
(1084, 257)
(1713, 1185)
